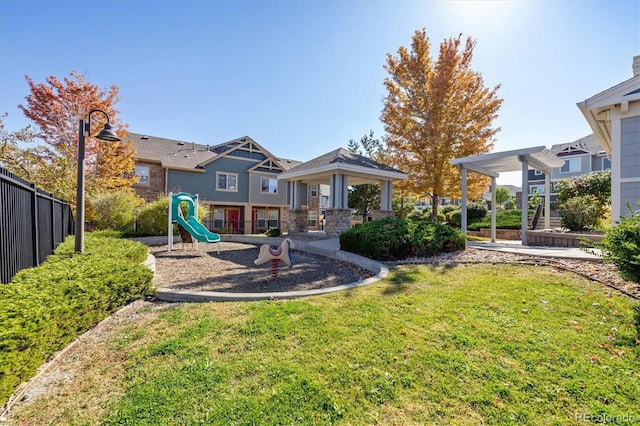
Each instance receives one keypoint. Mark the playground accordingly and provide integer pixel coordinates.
(234, 270)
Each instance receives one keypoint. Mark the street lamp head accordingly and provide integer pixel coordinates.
(108, 134)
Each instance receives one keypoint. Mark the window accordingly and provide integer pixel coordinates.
(537, 172)
(314, 190)
(571, 165)
(538, 188)
(606, 164)
(313, 218)
(273, 218)
(269, 185)
(143, 174)
(227, 181)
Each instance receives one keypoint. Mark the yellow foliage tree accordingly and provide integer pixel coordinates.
(436, 111)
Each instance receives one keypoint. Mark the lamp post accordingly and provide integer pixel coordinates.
(106, 134)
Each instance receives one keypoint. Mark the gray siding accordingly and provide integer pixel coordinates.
(204, 184)
(630, 148)
(258, 197)
(629, 195)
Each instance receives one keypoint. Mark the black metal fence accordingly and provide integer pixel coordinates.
(32, 224)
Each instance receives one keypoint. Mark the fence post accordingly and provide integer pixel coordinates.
(34, 224)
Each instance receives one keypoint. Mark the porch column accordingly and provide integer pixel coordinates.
(524, 203)
(547, 200)
(386, 195)
(494, 207)
(296, 216)
(463, 211)
(338, 215)
(339, 191)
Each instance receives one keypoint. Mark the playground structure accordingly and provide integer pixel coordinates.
(275, 256)
(191, 224)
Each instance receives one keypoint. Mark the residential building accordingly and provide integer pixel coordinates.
(241, 183)
(614, 117)
(237, 180)
(580, 157)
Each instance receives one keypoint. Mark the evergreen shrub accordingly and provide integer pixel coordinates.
(505, 219)
(45, 308)
(621, 246)
(394, 239)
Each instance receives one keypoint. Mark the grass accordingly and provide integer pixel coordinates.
(476, 344)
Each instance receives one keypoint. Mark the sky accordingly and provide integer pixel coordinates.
(303, 77)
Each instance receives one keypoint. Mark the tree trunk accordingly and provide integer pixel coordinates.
(434, 208)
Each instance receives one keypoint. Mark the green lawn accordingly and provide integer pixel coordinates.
(477, 344)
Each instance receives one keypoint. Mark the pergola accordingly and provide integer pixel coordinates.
(539, 158)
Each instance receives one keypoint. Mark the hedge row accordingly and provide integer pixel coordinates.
(45, 308)
(394, 239)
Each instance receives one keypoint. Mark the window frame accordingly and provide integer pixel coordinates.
(540, 189)
(312, 222)
(568, 162)
(226, 189)
(140, 176)
(262, 179)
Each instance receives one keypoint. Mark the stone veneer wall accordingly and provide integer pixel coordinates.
(379, 214)
(337, 221)
(155, 188)
(296, 220)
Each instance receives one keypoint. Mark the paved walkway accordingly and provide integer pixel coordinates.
(333, 244)
(556, 252)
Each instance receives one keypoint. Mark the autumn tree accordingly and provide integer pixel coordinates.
(56, 108)
(12, 157)
(435, 111)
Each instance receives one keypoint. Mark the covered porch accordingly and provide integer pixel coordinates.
(339, 169)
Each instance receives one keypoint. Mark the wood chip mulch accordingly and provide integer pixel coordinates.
(233, 270)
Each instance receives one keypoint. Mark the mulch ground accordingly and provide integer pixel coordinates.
(233, 270)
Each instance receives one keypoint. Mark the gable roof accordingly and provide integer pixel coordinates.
(597, 108)
(175, 154)
(346, 162)
(585, 145)
(170, 153)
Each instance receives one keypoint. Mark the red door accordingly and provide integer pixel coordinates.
(233, 216)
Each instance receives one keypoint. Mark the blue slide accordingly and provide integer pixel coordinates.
(192, 225)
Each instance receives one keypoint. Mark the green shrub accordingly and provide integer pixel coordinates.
(427, 239)
(43, 309)
(505, 219)
(449, 208)
(115, 210)
(596, 186)
(454, 218)
(579, 213)
(273, 232)
(153, 217)
(418, 214)
(476, 211)
(393, 239)
(621, 246)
